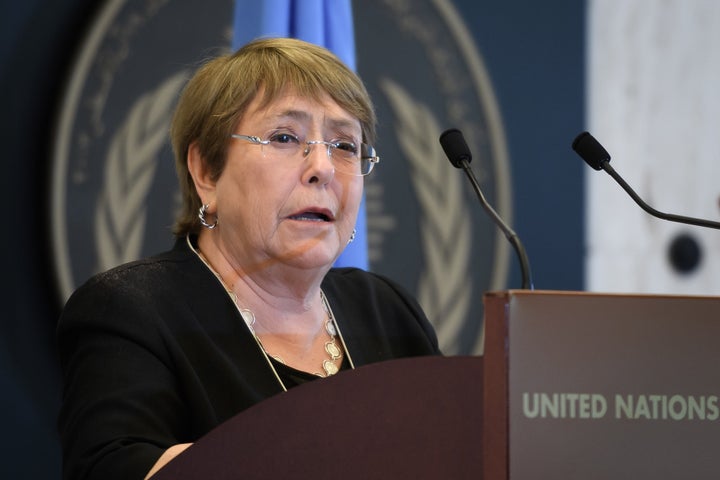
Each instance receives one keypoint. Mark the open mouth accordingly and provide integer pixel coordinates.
(311, 217)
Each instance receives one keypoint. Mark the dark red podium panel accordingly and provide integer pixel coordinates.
(582, 385)
(418, 418)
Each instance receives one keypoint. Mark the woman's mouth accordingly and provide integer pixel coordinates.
(313, 216)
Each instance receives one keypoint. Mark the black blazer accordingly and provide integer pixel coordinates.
(155, 353)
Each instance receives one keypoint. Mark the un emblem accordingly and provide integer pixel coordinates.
(114, 189)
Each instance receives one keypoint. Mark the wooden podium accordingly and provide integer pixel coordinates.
(415, 418)
(571, 386)
(594, 386)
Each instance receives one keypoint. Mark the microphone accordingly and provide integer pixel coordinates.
(457, 151)
(598, 158)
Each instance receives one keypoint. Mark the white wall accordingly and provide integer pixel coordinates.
(654, 103)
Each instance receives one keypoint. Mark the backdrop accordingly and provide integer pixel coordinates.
(76, 74)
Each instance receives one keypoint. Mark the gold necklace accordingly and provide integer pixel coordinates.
(332, 349)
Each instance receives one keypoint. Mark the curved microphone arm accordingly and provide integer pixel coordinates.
(665, 216)
(598, 158)
(509, 233)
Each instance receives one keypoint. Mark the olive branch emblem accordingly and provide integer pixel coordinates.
(129, 172)
(445, 287)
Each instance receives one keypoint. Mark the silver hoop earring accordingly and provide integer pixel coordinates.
(201, 216)
(352, 236)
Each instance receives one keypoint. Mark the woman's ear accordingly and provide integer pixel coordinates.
(200, 173)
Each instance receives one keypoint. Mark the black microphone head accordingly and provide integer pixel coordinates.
(590, 150)
(453, 143)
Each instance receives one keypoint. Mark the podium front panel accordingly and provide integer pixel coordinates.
(610, 386)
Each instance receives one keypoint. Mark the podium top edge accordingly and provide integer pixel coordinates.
(579, 293)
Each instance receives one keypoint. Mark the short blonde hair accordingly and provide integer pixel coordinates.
(216, 97)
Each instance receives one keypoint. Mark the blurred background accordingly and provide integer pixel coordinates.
(521, 78)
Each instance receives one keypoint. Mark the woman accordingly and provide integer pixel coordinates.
(271, 147)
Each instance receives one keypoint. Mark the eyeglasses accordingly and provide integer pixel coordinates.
(345, 156)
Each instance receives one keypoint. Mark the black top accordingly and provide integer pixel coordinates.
(292, 377)
(155, 353)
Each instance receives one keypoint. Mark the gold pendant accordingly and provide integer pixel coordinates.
(332, 350)
(329, 367)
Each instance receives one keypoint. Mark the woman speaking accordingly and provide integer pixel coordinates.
(272, 145)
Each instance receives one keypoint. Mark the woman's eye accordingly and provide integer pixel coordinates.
(283, 138)
(348, 147)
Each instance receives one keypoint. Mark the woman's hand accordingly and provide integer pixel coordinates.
(167, 455)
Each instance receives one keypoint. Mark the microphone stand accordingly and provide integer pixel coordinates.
(665, 216)
(509, 233)
(598, 158)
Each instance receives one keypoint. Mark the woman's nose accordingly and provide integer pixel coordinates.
(320, 166)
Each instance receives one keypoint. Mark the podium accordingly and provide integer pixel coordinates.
(595, 386)
(418, 418)
(572, 385)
